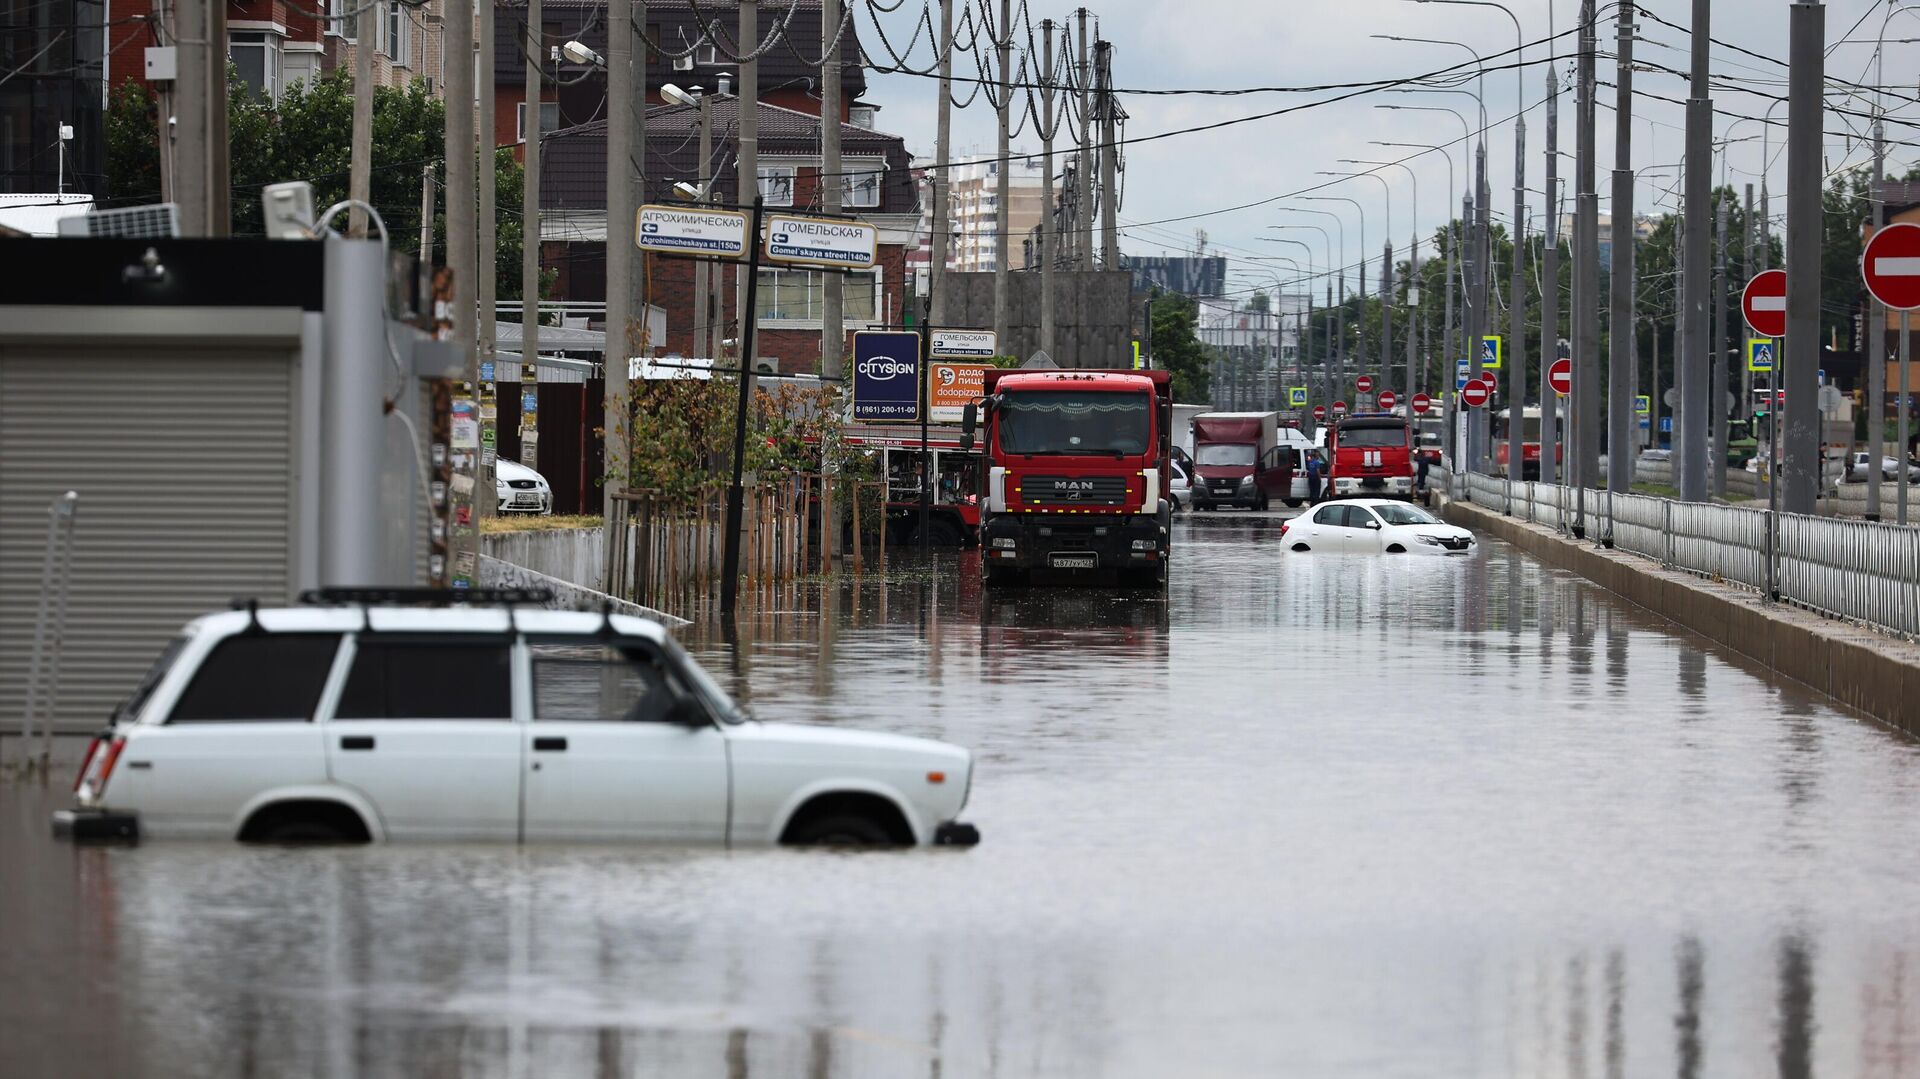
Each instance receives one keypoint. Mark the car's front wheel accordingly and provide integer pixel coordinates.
(843, 830)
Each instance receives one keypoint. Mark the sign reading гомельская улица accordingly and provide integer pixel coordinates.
(683, 230)
(822, 241)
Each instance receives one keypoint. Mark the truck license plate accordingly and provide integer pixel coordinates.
(1073, 561)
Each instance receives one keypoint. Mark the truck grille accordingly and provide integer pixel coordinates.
(1073, 490)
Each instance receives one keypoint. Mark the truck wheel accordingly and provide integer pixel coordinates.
(1294, 503)
(940, 533)
(1147, 577)
(1003, 577)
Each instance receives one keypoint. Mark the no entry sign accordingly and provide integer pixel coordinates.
(1339, 408)
(1388, 400)
(1764, 302)
(1560, 376)
(1421, 403)
(1319, 412)
(1475, 394)
(1364, 383)
(1890, 265)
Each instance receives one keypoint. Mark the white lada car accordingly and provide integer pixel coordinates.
(392, 715)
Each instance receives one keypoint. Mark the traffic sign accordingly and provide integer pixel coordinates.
(1475, 394)
(680, 230)
(1319, 412)
(963, 345)
(1491, 351)
(1764, 303)
(1560, 376)
(822, 241)
(1296, 397)
(1339, 408)
(1462, 371)
(1492, 380)
(1388, 400)
(1364, 383)
(1890, 266)
(1643, 404)
(1421, 403)
(1760, 354)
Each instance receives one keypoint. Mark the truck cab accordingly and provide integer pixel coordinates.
(1239, 461)
(1371, 456)
(1077, 473)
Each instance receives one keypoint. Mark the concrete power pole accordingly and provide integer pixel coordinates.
(942, 189)
(486, 263)
(1386, 314)
(1620, 415)
(219, 178)
(360, 154)
(1586, 266)
(1081, 246)
(1717, 403)
(189, 173)
(461, 213)
(1048, 218)
(833, 332)
(1550, 290)
(1691, 424)
(624, 97)
(530, 210)
(748, 132)
(1109, 162)
(1805, 76)
(1874, 347)
(1517, 300)
(1002, 220)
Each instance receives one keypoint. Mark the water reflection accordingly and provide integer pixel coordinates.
(1316, 816)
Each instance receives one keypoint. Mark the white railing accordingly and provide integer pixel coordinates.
(1866, 571)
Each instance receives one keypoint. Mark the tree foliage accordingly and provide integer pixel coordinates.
(1177, 348)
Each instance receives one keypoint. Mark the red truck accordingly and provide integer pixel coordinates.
(1239, 461)
(1076, 473)
(1371, 456)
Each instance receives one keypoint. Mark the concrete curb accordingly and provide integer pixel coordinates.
(1859, 667)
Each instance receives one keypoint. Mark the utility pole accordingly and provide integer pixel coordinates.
(1048, 218)
(1620, 415)
(219, 178)
(1875, 345)
(833, 330)
(1109, 163)
(1746, 273)
(1002, 222)
(486, 264)
(1717, 466)
(461, 256)
(530, 134)
(1410, 384)
(708, 324)
(749, 136)
(1470, 323)
(623, 97)
(1386, 314)
(1550, 291)
(360, 154)
(190, 159)
(1806, 74)
(426, 221)
(1517, 303)
(1691, 424)
(942, 199)
(1586, 263)
(1447, 346)
(1082, 243)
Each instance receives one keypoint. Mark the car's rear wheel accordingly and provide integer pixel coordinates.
(842, 830)
(1293, 503)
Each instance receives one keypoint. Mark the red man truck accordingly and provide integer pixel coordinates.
(1076, 473)
(1371, 456)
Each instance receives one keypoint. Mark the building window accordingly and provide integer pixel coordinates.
(549, 119)
(707, 56)
(862, 116)
(341, 20)
(256, 56)
(397, 30)
(776, 184)
(796, 296)
(861, 189)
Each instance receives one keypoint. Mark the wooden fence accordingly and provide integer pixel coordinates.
(671, 558)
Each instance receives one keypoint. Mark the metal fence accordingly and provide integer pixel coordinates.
(1865, 571)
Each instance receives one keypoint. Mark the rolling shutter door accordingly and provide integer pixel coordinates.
(183, 462)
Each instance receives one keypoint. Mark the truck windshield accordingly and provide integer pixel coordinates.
(1224, 454)
(1371, 437)
(1091, 423)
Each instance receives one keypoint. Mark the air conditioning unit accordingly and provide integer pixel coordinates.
(683, 63)
(160, 220)
(765, 366)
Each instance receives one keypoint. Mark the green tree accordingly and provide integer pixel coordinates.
(307, 135)
(1177, 348)
(1261, 302)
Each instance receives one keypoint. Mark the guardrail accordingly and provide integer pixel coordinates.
(1863, 571)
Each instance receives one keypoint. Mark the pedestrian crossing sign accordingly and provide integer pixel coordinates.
(1760, 354)
(1643, 404)
(1490, 353)
(1296, 397)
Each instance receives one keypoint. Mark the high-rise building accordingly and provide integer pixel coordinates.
(974, 190)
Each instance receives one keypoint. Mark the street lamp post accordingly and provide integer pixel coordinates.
(1413, 262)
(1386, 270)
(1360, 357)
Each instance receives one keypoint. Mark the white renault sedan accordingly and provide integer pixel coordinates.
(1374, 526)
(391, 714)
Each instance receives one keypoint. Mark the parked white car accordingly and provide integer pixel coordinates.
(1374, 526)
(342, 722)
(1179, 486)
(521, 489)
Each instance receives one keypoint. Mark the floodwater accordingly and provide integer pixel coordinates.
(1309, 816)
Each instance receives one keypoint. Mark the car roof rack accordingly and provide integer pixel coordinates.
(425, 597)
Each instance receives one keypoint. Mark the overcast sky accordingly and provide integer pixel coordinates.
(1224, 44)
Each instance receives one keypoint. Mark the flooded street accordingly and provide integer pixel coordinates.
(1309, 816)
